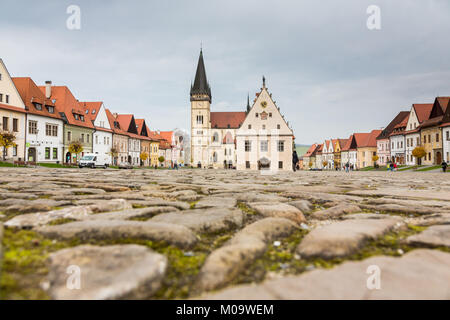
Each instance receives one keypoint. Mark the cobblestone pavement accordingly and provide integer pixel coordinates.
(164, 234)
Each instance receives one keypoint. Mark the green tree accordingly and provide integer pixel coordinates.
(7, 140)
(76, 147)
(161, 159)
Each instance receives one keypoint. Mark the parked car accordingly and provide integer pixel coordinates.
(93, 160)
(125, 165)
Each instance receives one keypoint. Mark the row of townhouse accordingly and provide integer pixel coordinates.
(45, 120)
(357, 151)
(426, 125)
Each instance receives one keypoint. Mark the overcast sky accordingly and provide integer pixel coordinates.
(329, 74)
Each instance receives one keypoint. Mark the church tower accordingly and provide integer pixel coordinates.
(200, 116)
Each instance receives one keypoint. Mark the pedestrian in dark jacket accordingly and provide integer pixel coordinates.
(294, 160)
(444, 166)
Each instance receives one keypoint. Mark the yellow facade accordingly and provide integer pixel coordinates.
(154, 153)
(145, 148)
(431, 139)
(337, 155)
(365, 155)
(13, 122)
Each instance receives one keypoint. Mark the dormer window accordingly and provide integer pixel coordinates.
(93, 111)
(87, 111)
(51, 109)
(81, 117)
(75, 116)
(38, 106)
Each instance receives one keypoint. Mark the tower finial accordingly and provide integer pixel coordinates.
(248, 102)
(264, 82)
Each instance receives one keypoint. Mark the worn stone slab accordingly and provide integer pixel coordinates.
(403, 193)
(32, 220)
(110, 272)
(336, 211)
(303, 205)
(225, 263)
(143, 213)
(122, 229)
(260, 197)
(419, 274)
(279, 210)
(400, 208)
(343, 238)
(434, 236)
(160, 203)
(204, 220)
(218, 202)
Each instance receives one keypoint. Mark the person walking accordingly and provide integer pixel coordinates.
(347, 166)
(444, 166)
(294, 160)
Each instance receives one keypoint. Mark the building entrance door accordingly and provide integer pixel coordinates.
(32, 155)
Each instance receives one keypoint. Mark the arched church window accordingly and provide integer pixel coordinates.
(215, 156)
(215, 137)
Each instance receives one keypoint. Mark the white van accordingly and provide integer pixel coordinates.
(93, 160)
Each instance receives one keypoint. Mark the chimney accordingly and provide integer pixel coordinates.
(48, 89)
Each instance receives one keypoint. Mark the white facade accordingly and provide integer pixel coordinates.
(222, 151)
(412, 141)
(319, 161)
(397, 144)
(102, 140)
(383, 151)
(446, 143)
(353, 158)
(44, 139)
(134, 151)
(264, 139)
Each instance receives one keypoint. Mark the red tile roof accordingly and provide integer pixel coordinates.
(29, 92)
(12, 108)
(360, 139)
(403, 123)
(348, 144)
(166, 135)
(371, 139)
(319, 149)
(227, 119)
(92, 108)
(310, 150)
(67, 103)
(422, 111)
(164, 144)
(443, 102)
(112, 122)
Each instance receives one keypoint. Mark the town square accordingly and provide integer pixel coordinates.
(217, 158)
(223, 234)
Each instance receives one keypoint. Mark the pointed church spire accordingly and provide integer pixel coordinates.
(248, 102)
(201, 86)
(264, 82)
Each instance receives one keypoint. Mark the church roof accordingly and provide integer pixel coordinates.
(232, 120)
(201, 85)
